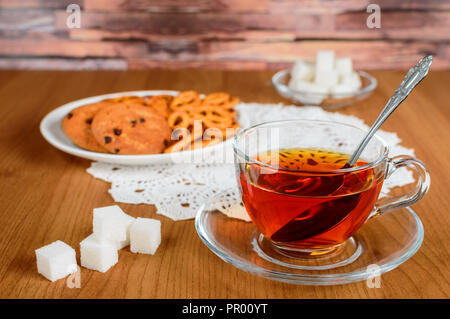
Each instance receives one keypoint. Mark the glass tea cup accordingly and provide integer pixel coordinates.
(299, 195)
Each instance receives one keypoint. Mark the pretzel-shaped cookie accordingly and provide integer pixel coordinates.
(216, 99)
(232, 112)
(213, 117)
(179, 119)
(204, 143)
(220, 99)
(185, 98)
(231, 103)
(227, 132)
(214, 133)
(184, 137)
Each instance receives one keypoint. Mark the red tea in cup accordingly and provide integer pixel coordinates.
(307, 201)
(299, 192)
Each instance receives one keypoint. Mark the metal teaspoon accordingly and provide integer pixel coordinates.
(416, 74)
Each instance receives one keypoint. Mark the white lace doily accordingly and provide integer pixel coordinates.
(179, 190)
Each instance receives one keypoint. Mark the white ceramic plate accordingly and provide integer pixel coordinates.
(51, 130)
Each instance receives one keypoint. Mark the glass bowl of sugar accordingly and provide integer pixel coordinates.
(329, 82)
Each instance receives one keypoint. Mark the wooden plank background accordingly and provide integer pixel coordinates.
(219, 34)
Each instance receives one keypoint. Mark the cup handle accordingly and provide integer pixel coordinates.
(422, 185)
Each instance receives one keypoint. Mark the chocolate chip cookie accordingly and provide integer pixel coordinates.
(77, 126)
(130, 129)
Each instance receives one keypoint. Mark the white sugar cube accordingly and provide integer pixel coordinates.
(302, 71)
(145, 236)
(124, 243)
(292, 83)
(310, 99)
(56, 260)
(310, 93)
(325, 60)
(343, 90)
(111, 224)
(98, 255)
(352, 81)
(309, 87)
(326, 79)
(344, 66)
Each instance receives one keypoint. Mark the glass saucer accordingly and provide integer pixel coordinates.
(379, 246)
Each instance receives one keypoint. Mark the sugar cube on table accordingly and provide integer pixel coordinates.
(325, 60)
(344, 66)
(302, 70)
(124, 243)
(145, 235)
(56, 260)
(98, 255)
(110, 223)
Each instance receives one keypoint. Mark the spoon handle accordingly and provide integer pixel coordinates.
(416, 74)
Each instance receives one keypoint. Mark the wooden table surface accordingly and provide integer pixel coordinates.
(46, 195)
